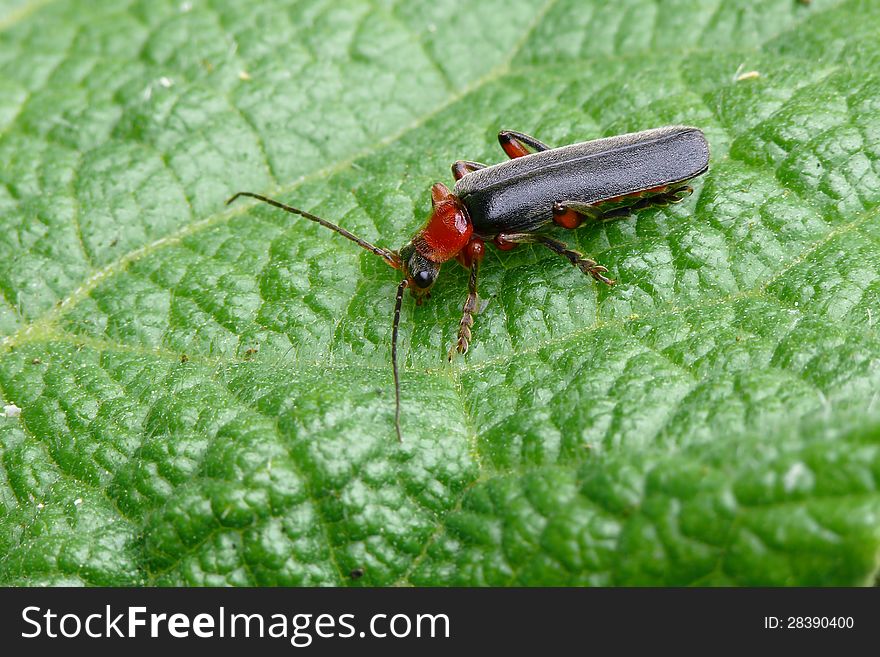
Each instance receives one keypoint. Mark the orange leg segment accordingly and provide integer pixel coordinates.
(567, 217)
(517, 144)
(463, 167)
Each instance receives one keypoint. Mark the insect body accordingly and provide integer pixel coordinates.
(516, 201)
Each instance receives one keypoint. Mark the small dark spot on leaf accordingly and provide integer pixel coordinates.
(251, 352)
(184, 358)
(356, 573)
(36, 361)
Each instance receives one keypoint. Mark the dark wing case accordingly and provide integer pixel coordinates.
(517, 195)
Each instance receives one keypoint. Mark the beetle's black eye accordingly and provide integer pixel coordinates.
(424, 278)
(419, 270)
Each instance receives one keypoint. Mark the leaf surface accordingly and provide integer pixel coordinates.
(205, 391)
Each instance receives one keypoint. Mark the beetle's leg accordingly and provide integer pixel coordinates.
(571, 214)
(675, 195)
(467, 314)
(462, 167)
(576, 258)
(656, 201)
(663, 199)
(517, 144)
(471, 257)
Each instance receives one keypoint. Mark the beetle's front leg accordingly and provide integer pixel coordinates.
(470, 257)
(576, 258)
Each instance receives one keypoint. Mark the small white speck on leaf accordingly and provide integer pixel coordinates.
(244, 75)
(166, 81)
(11, 410)
(748, 75)
(78, 501)
(826, 404)
(185, 7)
(41, 506)
(798, 476)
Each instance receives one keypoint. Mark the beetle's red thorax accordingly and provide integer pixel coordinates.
(449, 227)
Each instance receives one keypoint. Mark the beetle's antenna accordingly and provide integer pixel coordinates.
(394, 325)
(388, 256)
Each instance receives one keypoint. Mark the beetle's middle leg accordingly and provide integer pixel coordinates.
(463, 167)
(517, 144)
(576, 258)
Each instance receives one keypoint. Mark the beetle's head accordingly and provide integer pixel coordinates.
(419, 271)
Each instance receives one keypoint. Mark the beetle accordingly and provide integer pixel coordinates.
(514, 202)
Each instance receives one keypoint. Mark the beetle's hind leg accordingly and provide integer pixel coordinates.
(664, 198)
(571, 214)
(576, 258)
(517, 144)
(463, 167)
(660, 200)
(678, 194)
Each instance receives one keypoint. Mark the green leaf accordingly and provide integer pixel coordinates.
(205, 392)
